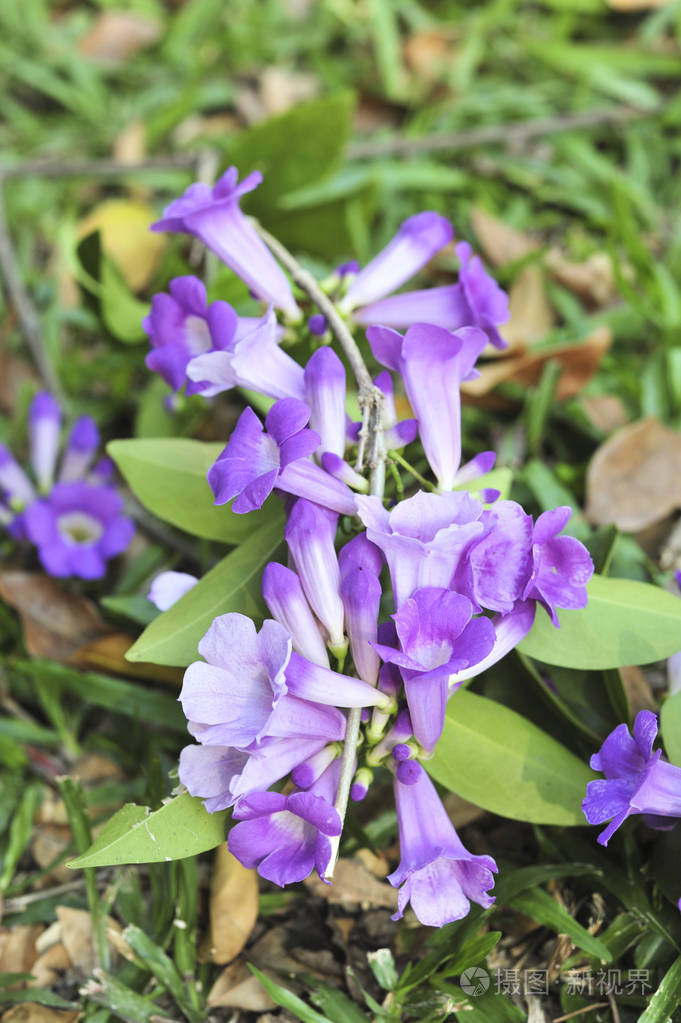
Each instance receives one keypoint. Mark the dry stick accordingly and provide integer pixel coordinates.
(371, 436)
(18, 296)
(50, 168)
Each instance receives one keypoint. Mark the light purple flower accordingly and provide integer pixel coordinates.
(287, 604)
(497, 567)
(436, 874)
(416, 242)
(254, 462)
(509, 630)
(285, 837)
(77, 528)
(81, 448)
(253, 359)
(636, 779)
(325, 392)
(475, 301)
(14, 483)
(561, 565)
(422, 538)
(437, 637)
(168, 587)
(360, 565)
(310, 534)
(44, 424)
(213, 216)
(433, 362)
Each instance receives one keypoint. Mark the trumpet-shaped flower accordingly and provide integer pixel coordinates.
(561, 565)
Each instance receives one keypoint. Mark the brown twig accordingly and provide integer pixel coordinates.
(48, 167)
(507, 134)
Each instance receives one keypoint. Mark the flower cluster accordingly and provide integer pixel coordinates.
(70, 511)
(382, 610)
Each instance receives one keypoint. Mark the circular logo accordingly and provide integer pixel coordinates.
(474, 981)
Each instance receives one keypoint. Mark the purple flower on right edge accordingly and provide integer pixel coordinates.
(637, 780)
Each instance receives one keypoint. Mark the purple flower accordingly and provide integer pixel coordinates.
(254, 462)
(636, 779)
(325, 394)
(437, 637)
(77, 528)
(561, 565)
(436, 874)
(475, 301)
(509, 630)
(310, 534)
(423, 538)
(433, 362)
(286, 601)
(416, 242)
(497, 567)
(14, 483)
(80, 450)
(360, 565)
(286, 836)
(44, 423)
(168, 587)
(213, 216)
(253, 359)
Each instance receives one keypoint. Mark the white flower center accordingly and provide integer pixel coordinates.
(79, 528)
(197, 335)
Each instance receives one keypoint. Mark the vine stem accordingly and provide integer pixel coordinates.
(371, 441)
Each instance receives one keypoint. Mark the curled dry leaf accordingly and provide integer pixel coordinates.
(32, 1012)
(578, 364)
(78, 939)
(116, 35)
(499, 242)
(637, 688)
(233, 907)
(18, 947)
(50, 966)
(354, 885)
(530, 314)
(237, 988)
(634, 478)
(429, 53)
(606, 412)
(108, 654)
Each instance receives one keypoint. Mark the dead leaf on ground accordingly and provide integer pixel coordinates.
(56, 623)
(18, 947)
(77, 937)
(233, 907)
(237, 988)
(275, 90)
(634, 478)
(637, 688)
(606, 412)
(530, 314)
(32, 1012)
(50, 967)
(15, 375)
(353, 885)
(578, 364)
(500, 243)
(430, 53)
(108, 654)
(123, 225)
(116, 35)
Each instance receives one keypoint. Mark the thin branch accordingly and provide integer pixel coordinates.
(507, 134)
(18, 296)
(19, 902)
(48, 167)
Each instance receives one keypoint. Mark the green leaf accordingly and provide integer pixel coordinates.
(670, 726)
(624, 623)
(667, 997)
(500, 761)
(181, 827)
(168, 475)
(121, 311)
(39, 995)
(541, 907)
(294, 148)
(288, 1000)
(233, 585)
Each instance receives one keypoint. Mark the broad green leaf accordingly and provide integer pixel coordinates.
(670, 726)
(233, 585)
(168, 475)
(624, 623)
(121, 311)
(667, 997)
(181, 827)
(500, 761)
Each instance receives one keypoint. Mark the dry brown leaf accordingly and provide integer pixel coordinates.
(429, 53)
(116, 35)
(130, 145)
(281, 88)
(578, 364)
(634, 478)
(593, 279)
(607, 412)
(639, 693)
(108, 654)
(31, 1012)
(500, 243)
(15, 374)
(530, 315)
(48, 841)
(460, 811)
(56, 623)
(233, 907)
(123, 225)
(78, 939)
(18, 947)
(237, 988)
(353, 885)
(50, 966)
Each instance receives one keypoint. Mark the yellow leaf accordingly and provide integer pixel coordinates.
(124, 229)
(233, 907)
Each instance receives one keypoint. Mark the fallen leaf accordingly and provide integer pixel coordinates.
(123, 225)
(48, 842)
(56, 623)
(130, 145)
(116, 35)
(639, 693)
(281, 88)
(233, 907)
(592, 279)
(578, 364)
(50, 966)
(78, 939)
(429, 54)
(530, 315)
(634, 478)
(500, 243)
(237, 988)
(108, 654)
(18, 947)
(354, 885)
(32, 1012)
(607, 412)
(16, 376)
